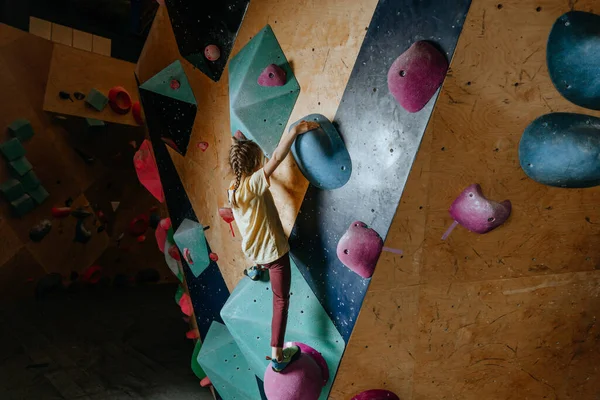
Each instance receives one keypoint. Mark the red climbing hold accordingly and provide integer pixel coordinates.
(119, 100)
(202, 146)
(61, 212)
(273, 75)
(139, 225)
(141, 238)
(147, 171)
(416, 75)
(376, 394)
(92, 275)
(212, 52)
(161, 233)
(136, 110)
(213, 256)
(227, 214)
(175, 84)
(192, 334)
(174, 253)
(186, 304)
(359, 249)
(206, 382)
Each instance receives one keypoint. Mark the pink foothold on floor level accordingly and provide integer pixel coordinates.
(376, 394)
(316, 356)
(147, 171)
(273, 75)
(475, 212)
(416, 75)
(359, 249)
(212, 52)
(301, 380)
(186, 304)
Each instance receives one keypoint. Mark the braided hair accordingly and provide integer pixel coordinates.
(244, 157)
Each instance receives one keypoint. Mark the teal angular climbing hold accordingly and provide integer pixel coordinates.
(170, 106)
(321, 155)
(30, 181)
(12, 189)
(563, 150)
(226, 366)
(196, 368)
(20, 166)
(39, 194)
(96, 100)
(192, 245)
(248, 314)
(260, 112)
(93, 123)
(22, 205)
(12, 149)
(573, 57)
(21, 129)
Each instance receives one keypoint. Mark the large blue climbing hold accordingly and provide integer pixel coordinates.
(261, 112)
(248, 314)
(225, 365)
(573, 56)
(322, 155)
(563, 150)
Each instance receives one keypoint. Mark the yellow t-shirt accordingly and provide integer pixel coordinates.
(263, 238)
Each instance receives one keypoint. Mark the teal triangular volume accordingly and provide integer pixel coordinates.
(190, 240)
(261, 113)
(161, 84)
(226, 367)
(248, 314)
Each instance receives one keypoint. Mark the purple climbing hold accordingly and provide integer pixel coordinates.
(300, 380)
(273, 75)
(212, 52)
(476, 213)
(376, 394)
(416, 75)
(316, 356)
(359, 249)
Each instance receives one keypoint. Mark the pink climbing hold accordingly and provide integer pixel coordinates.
(376, 394)
(192, 334)
(202, 146)
(206, 382)
(186, 305)
(213, 256)
(226, 214)
(273, 75)
(147, 171)
(174, 253)
(316, 356)
(416, 75)
(212, 52)
(136, 110)
(161, 233)
(301, 380)
(475, 212)
(359, 249)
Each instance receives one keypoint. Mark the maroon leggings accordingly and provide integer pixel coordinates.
(281, 279)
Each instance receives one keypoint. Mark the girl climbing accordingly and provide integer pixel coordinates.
(263, 238)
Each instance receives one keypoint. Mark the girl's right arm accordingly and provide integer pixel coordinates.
(286, 144)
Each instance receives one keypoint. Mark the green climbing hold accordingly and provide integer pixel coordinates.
(94, 123)
(30, 181)
(12, 149)
(171, 82)
(21, 129)
(22, 205)
(178, 294)
(96, 100)
(198, 371)
(170, 234)
(20, 166)
(12, 189)
(39, 194)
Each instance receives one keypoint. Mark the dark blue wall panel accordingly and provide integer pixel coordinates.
(382, 139)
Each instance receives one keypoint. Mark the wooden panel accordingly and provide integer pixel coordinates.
(40, 27)
(82, 40)
(62, 34)
(101, 45)
(321, 46)
(74, 70)
(502, 315)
